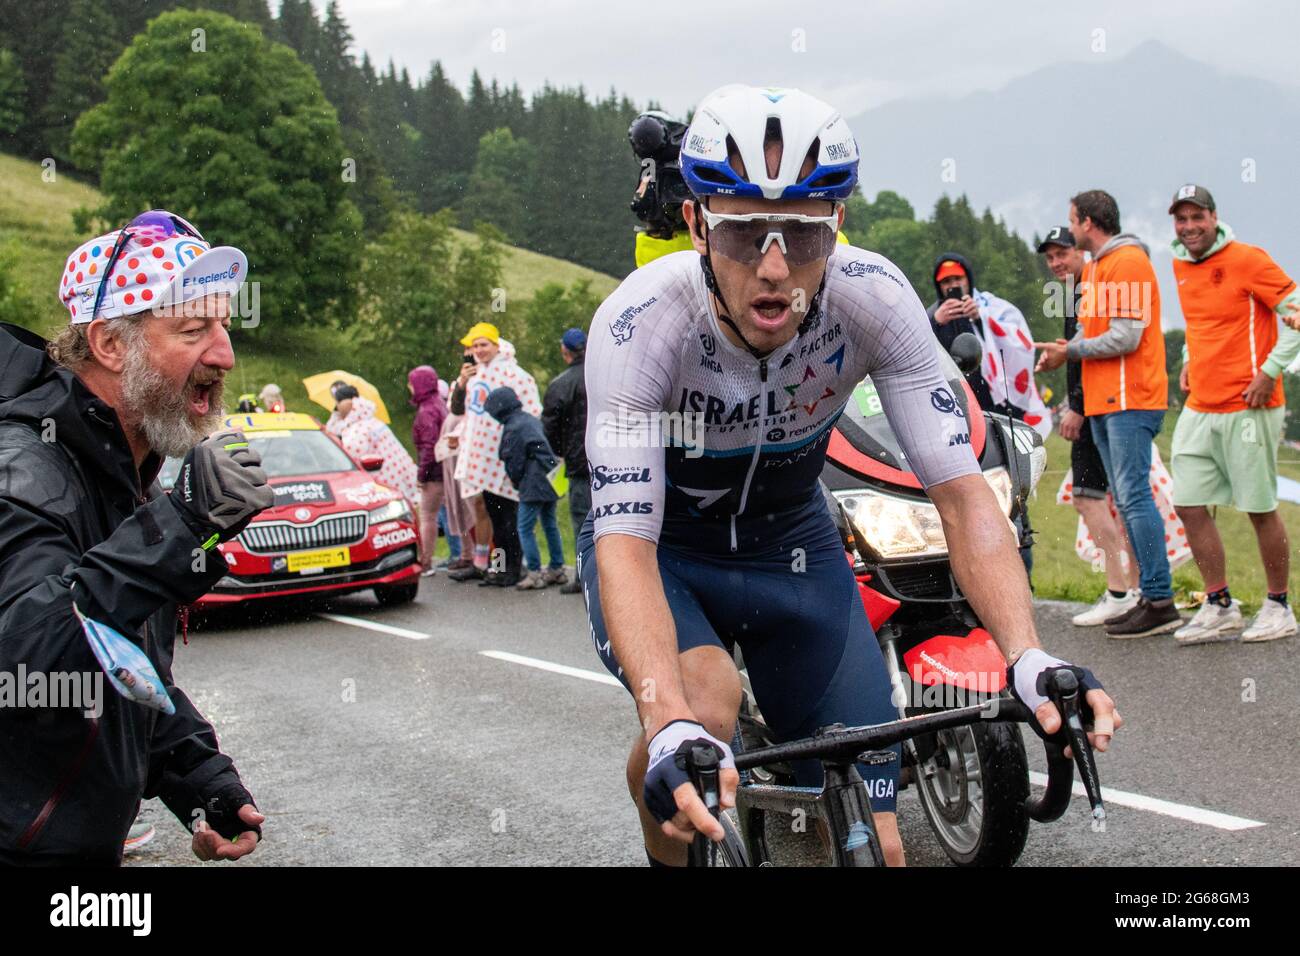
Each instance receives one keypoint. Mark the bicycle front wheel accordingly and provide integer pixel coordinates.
(729, 852)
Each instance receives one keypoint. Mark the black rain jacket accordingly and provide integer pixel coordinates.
(564, 416)
(77, 524)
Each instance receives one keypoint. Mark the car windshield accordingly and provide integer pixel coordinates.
(285, 454)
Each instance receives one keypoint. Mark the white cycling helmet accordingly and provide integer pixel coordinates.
(743, 115)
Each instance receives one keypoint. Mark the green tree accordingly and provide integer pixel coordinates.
(87, 49)
(551, 311)
(253, 156)
(420, 288)
(13, 93)
(500, 184)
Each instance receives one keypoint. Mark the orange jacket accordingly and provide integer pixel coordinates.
(1122, 285)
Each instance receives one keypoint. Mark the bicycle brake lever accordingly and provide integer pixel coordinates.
(702, 766)
(1063, 691)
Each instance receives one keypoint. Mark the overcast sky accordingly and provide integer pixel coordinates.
(856, 54)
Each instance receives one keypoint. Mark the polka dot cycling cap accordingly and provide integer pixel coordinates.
(156, 260)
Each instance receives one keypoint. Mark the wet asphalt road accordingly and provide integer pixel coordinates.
(368, 747)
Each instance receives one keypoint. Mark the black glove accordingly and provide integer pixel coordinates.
(221, 811)
(221, 487)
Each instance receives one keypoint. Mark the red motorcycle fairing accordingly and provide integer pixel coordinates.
(879, 607)
(972, 662)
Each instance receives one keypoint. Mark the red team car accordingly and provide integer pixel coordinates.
(332, 530)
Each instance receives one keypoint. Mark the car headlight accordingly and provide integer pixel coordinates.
(395, 510)
(894, 528)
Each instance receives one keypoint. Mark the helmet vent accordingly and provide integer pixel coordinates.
(772, 146)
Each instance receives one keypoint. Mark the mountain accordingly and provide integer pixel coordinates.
(1138, 126)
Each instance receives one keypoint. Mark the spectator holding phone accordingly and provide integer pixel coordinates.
(1004, 381)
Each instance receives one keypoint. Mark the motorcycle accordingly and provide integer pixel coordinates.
(972, 781)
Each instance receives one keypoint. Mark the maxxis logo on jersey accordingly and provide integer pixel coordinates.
(624, 508)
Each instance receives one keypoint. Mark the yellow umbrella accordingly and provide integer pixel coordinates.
(318, 390)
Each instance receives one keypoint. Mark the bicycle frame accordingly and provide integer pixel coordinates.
(841, 803)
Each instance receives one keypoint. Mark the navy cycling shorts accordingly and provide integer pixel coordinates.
(811, 654)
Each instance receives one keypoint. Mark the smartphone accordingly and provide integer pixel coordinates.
(954, 293)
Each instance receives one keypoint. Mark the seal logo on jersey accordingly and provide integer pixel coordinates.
(603, 475)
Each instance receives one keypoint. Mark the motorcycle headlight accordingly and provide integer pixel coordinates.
(395, 510)
(892, 528)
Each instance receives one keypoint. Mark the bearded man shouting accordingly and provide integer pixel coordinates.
(94, 559)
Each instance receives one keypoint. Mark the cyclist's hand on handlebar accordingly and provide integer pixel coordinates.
(1027, 679)
(669, 794)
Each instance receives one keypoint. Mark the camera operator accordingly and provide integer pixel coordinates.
(656, 140)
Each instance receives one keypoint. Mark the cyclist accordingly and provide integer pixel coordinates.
(714, 378)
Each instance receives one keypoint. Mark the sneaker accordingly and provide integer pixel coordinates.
(1144, 620)
(460, 564)
(573, 587)
(429, 571)
(1213, 622)
(555, 576)
(532, 581)
(1273, 621)
(141, 832)
(1108, 607)
(465, 574)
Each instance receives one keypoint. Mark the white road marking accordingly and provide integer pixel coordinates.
(1136, 801)
(1121, 798)
(375, 626)
(597, 676)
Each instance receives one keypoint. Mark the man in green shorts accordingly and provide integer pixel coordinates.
(1225, 442)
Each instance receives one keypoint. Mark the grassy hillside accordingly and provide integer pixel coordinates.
(36, 216)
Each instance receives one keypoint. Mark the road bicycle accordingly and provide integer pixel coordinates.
(840, 808)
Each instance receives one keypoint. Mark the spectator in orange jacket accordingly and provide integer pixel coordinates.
(1125, 392)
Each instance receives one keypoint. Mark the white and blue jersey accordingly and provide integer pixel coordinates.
(696, 444)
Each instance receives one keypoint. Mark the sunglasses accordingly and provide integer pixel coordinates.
(155, 224)
(745, 238)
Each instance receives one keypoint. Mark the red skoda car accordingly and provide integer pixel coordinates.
(333, 529)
